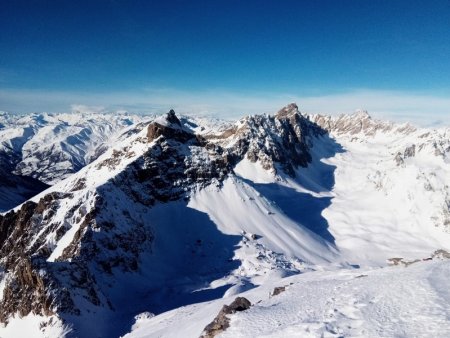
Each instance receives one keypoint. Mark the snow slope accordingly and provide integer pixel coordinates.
(384, 302)
(391, 196)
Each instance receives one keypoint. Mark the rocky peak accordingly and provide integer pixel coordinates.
(359, 122)
(361, 114)
(169, 126)
(287, 111)
(276, 142)
(172, 118)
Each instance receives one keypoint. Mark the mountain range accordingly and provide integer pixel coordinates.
(124, 224)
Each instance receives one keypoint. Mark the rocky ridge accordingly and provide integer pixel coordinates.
(280, 143)
(359, 122)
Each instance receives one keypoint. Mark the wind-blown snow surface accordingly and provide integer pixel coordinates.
(385, 302)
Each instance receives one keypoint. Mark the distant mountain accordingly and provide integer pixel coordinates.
(180, 210)
(49, 148)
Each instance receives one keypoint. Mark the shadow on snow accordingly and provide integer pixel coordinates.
(303, 207)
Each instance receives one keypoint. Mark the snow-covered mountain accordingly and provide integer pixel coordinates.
(50, 147)
(182, 210)
(391, 181)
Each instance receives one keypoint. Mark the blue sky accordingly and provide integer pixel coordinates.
(209, 56)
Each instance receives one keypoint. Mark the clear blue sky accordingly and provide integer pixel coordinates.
(302, 48)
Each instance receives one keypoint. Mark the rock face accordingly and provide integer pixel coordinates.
(441, 254)
(29, 289)
(279, 143)
(168, 126)
(222, 321)
(409, 151)
(277, 290)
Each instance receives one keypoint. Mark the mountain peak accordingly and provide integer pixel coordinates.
(169, 126)
(288, 110)
(169, 120)
(362, 114)
(172, 117)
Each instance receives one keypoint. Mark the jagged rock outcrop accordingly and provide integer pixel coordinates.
(278, 290)
(29, 287)
(168, 126)
(409, 151)
(279, 142)
(222, 321)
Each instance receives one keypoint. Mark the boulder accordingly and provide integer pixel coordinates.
(222, 322)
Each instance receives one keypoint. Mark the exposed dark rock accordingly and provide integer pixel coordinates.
(79, 184)
(399, 159)
(222, 322)
(27, 292)
(408, 263)
(277, 290)
(173, 165)
(442, 254)
(15, 220)
(395, 260)
(276, 142)
(172, 129)
(410, 151)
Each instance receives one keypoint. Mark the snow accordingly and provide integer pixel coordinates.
(163, 121)
(238, 207)
(386, 302)
(253, 171)
(381, 210)
(34, 326)
(2, 283)
(52, 146)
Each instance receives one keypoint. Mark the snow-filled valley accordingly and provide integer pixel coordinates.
(176, 216)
